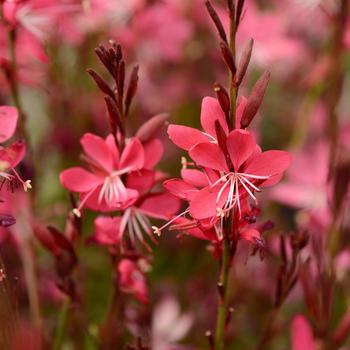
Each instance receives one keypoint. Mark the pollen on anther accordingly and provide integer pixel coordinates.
(156, 230)
(77, 212)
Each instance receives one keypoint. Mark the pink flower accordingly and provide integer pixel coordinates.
(132, 279)
(240, 170)
(103, 188)
(135, 220)
(10, 156)
(302, 336)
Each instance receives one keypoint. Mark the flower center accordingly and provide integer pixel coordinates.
(113, 190)
(235, 182)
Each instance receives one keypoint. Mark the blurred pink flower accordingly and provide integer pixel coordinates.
(301, 333)
(169, 325)
(132, 279)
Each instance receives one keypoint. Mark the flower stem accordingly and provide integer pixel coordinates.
(62, 323)
(223, 288)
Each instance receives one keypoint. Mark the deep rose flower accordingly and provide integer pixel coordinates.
(10, 156)
(103, 187)
(240, 171)
(132, 279)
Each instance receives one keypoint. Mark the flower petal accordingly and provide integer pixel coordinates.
(110, 141)
(240, 146)
(180, 188)
(203, 205)
(210, 113)
(195, 177)
(160, 205)
(79, 180)
(185, 137)
(107, 230)
(13, 154)
(269, 163)
(141, 180)
(209, 155)
(302, 337)
(8, 122)
(153, 152)
(97, 149)
(133, 156)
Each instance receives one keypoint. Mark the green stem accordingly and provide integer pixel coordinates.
(62, 323)
(224, 288)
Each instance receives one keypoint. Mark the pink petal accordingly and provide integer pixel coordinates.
(153, 152)
(240, 146)
(13, 154)
(208, 235)
(250, 235)
(180, 188)
(269, 163)
(209, 155)
(141, 180)
(195, 177)
(97, 149)
(107, 230)
(133, 156)
(240, 110)
(211, 112)
(302, 336)
(185, 137)
(203, 205)
(8, 122)
(110, 141)
(160, 205)
(79, 180)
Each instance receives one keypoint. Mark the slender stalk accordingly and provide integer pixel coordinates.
(223, 288)
(62, 323)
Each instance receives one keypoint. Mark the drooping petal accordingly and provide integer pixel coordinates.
(97, 149)
(12, 155)
(79, 180)
(180, 188)
(209, 155)
(269, 163)
(302, 336)
(195, 177)
(141, 180)
(240, 146)
(160, 205)
(8, 122)
(210, 112)
(185, 137)
(153, 152)
(133, 156)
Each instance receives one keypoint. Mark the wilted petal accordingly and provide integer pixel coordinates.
(79, 180)
(185, 137)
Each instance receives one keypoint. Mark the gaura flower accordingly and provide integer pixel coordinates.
(135, 220)
(103, 187)
(240, 170)
(11, 156)
(302, 335)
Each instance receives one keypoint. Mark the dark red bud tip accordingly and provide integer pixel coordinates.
(101, 83)
(215, 18)
(222, 97)
(244, 61)
(255, 99)
(134, 78)
(228, 58)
